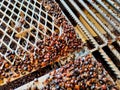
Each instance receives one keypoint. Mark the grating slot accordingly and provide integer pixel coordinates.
(29, 46)
(14, 37)
(112, 56)
(49, 32)
(10, 7)
(12, 24)
(8, 12)
(23, 42)
(1, 14)
(43, 14)
(40, 36)
(24, 9)
(37, 4)
(42, 21)
(18, 5)
(12, 1)
(90, 45)
(26, 25)
(36, 16)
(32, 39)
(14, 17)
(81, 34)
(30, 6)
(28, 18)
(3, 8)
(3, 49)
(3, 26)
(100, 59)
(6, 19)
(1, 34)
(49, 25)
(117, 47)
(5, 3)
(16, 10)
(49, 18)
(29, 12)
(6, 39)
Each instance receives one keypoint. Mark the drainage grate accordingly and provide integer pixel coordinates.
(23, 25)
(97, 23)
(30, 39)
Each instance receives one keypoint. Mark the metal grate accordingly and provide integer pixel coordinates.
(25, 23)
(32, 40)
(22, 25)
(97, 23)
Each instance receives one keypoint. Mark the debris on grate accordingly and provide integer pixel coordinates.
(28, 34)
